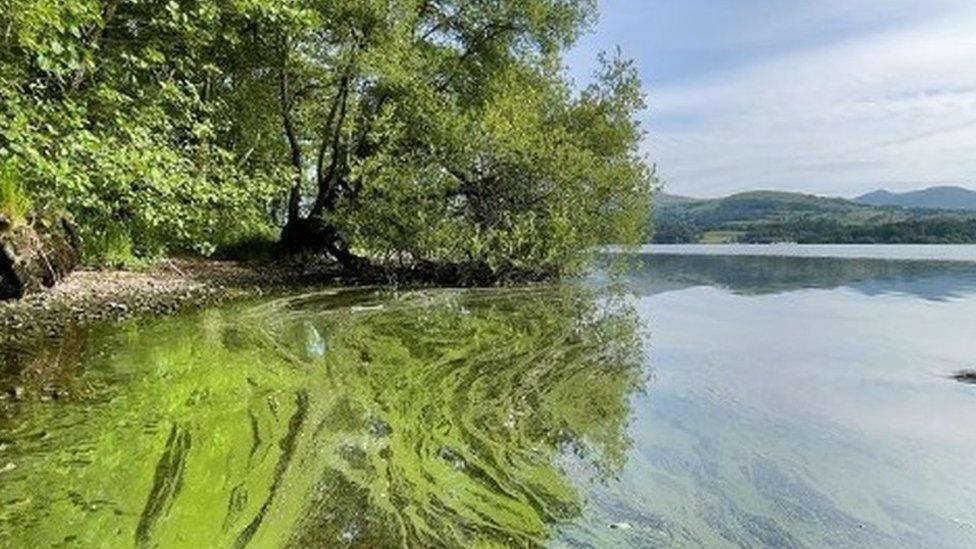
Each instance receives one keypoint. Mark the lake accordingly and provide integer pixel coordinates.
(713, 398)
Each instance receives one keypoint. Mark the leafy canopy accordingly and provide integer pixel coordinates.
(420, 130)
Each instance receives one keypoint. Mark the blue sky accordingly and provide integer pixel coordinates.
(834, 97)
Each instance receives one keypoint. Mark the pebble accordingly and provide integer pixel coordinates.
(89, 297)
(55, 393)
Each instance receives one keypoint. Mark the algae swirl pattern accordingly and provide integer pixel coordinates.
(360, 419)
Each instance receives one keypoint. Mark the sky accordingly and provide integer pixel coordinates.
(832, 97)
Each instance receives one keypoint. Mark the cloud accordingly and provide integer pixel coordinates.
(893, 108)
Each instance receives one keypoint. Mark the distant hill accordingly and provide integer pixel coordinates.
(761, 206)
(944, 198)
(775, 216)
(669, 199)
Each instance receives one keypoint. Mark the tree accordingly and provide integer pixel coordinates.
(106, 109)
(419, 131)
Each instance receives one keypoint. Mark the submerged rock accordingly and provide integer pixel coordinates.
(36, 256)
(965, 376)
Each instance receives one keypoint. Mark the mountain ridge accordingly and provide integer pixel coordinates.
(943, 197)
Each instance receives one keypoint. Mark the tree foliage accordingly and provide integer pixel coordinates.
(408, 130)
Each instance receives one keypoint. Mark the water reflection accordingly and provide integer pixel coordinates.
(758, 275)
(783, 418)
(435, 419)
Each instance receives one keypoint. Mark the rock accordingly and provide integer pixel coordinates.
(55, 393)
(965, 376)
(37, 256)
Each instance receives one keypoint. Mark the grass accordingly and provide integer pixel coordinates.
(721, 237)
(111, 247)
(258, 244)
(15, 203)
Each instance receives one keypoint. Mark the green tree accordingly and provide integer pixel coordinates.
(440, 131)
(106, 110)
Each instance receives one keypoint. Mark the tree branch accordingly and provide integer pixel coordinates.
(327, 184)
(294, 197)
(81, 72)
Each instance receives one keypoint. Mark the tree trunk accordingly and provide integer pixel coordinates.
(314, 234)
(36, 256)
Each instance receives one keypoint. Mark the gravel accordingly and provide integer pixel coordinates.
(94, 296)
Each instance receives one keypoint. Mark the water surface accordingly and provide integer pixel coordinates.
(800, 402)
(931, 252)
(720, 401)
(363, 419)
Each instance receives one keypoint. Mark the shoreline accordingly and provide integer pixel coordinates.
(88, 297)
(959, 253)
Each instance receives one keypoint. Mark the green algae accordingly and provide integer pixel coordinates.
(362, 419)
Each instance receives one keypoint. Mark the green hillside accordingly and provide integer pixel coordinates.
(774, 216)
(943, 197)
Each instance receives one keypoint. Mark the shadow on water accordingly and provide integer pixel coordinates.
(432, 419)
(755, 275)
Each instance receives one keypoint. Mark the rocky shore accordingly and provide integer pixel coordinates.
(87, 297)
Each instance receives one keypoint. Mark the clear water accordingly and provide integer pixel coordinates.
(719, 401)
(799, 402)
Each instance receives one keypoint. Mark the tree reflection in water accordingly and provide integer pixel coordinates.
(445, 418)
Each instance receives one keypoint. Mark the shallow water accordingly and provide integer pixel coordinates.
(353, 418)
(719, 401)
(799, 402)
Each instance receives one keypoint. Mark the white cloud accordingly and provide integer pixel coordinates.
(896, 109)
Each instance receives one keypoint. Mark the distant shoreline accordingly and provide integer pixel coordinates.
(765, 217)
(895, 252)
